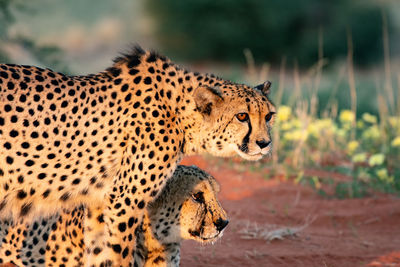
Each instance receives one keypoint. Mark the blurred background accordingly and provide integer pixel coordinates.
(335, 72)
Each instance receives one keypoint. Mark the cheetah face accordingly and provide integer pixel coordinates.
(202, 217)
(188, 208)
(237, 120)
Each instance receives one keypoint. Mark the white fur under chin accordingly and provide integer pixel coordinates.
(253, 157)
(211, 240)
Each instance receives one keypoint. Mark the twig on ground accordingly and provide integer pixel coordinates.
(273, 232)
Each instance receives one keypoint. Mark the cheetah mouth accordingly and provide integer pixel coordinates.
(254, 155)
(197, 235)
(247, 156)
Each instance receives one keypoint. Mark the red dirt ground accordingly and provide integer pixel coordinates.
(349, 232)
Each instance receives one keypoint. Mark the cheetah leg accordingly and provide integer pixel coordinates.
(95, 235)
(61, 227)
(115, 244)
(11, 243)
(170, 256)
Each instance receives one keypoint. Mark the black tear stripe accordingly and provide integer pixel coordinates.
(245, 143)
(201, 213)
(210, 211)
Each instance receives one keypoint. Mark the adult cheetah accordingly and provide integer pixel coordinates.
(186, 208)
(111, 140)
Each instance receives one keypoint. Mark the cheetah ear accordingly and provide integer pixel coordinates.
(264, 88)
(206, 98)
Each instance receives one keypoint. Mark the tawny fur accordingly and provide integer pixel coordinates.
(170, 218)
(111, 140)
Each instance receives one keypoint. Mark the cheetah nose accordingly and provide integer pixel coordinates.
(262, 143)
(221, 224)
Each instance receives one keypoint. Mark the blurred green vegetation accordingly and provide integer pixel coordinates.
(364, 150)
(5, 20)
(334, 90)
(220, 30)
(47, 55)
(343, 122)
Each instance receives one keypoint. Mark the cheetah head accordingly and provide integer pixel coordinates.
(236, 120)
(203, 219)
(188, 208)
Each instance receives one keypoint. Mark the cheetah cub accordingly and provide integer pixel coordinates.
(187, 208)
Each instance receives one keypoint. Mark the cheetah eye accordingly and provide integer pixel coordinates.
(242, 117)
(198, 197)
(268, 117)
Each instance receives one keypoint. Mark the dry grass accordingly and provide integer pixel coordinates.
(301, 91)
(273, 232)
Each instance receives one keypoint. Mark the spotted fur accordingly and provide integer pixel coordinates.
(111, 140)
(187, 208)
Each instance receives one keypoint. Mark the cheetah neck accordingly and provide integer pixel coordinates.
(173, 88)
(152, 249)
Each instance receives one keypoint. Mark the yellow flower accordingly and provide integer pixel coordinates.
(369, 118)
(341, 133)
(286, 125)
(371, 133)
(384, 176)
(376, 159)
(295, 135)
(316, 182)
(284, 113)
(321, 127)
(396, 142)
(297, 124)
(352, 146)
(327, 124)
(394, 122)
(347, 116)
(313, 129)
(360, 157)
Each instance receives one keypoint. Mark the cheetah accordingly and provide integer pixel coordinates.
(111, 140)
(186, 208)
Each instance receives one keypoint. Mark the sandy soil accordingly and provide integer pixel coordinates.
(278, 223)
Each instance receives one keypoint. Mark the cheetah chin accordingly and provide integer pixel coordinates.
(253, 156)
(205, 239)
